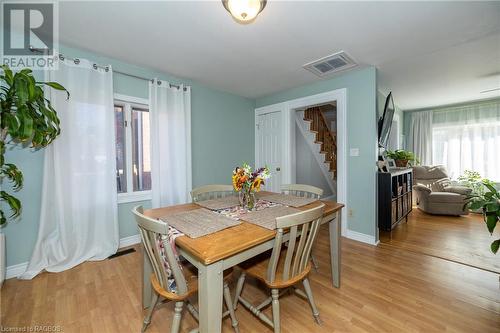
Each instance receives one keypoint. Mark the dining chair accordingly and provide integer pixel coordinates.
(208, 192)
(167, 270)
(304, 191)
(286, 266)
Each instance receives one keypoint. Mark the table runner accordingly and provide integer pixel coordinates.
(220, 203)
(289, 200)
(266, 218)
(199, 222)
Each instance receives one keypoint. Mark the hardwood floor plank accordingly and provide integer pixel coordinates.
(463, 239)
(384, 289)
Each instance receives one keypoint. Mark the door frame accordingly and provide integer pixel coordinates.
(288, 109)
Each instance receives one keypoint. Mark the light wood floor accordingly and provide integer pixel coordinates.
(463, 239)
(383, 289)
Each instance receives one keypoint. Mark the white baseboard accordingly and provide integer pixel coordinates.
(360, 237)
(131, 240)
(16, 270)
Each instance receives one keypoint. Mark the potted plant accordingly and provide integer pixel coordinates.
(27, 119)
(489, 202)
(402, 157)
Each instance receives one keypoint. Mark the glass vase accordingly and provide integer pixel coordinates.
(247, 199)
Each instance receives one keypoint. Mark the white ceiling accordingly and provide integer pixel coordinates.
(427, 53)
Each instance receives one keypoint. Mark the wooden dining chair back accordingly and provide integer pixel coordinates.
(287, 265)
(154, 236)
(302, 229)
(208, 192)
(302, 190)
(155, 241)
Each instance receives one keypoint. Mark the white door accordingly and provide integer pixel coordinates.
(269, 148)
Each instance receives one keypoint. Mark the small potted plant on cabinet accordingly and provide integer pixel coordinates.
(402, 157)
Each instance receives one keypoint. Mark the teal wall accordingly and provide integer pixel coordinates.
(222, 137)
(361, 133)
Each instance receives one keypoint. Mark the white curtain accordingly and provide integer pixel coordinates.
(420, 136)
(468, 138)
(170, 114)
(78, 218)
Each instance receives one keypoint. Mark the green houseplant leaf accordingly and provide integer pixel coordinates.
(495, 245)
(26, 118)
(488, 200)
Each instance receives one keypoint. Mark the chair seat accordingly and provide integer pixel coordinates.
(257, 267)
(191, 274)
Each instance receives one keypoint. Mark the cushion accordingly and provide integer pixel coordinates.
(446, 197)
(458, 189)
(423, 188)
(440, 185)
(430, 172)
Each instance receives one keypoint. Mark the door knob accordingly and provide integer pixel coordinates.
(278, 169)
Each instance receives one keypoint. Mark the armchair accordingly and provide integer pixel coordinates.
(435, 193)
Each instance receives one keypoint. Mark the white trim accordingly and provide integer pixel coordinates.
(129, 241)
(357, 236)
(288, 161)
(16, 270)
(131, 99)
(134, 196)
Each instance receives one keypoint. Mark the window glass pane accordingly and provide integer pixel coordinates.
(121, 174)
(141, 163)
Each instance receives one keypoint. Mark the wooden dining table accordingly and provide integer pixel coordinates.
(216, 252)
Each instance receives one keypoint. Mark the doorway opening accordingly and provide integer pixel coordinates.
(316, 148)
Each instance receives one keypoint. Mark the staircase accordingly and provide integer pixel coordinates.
(323, 136)
(312, 127)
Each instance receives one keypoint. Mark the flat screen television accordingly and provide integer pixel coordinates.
(385, 122)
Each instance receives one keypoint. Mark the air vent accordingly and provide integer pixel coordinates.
(331, 64)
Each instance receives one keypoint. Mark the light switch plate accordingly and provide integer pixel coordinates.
(354, 151)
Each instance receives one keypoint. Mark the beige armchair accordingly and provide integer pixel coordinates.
(435, 193)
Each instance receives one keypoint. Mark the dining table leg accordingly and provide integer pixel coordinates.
(210, 287)
(335, 239)
(147, 269)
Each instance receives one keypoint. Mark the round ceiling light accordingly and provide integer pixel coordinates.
(244, 11)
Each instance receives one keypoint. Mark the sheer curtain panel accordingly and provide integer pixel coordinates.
(420, 136)
(468, 138)
(78, 218)
(170, 114)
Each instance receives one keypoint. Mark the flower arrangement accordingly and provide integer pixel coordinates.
(247, 181)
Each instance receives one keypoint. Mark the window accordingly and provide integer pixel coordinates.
(133, 162)
(468, 147)
(468, 138)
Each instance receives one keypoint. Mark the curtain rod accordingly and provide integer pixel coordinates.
(106, 68)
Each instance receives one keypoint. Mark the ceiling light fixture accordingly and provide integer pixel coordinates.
(244, 11)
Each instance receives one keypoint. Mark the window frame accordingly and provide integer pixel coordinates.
(128, 103)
